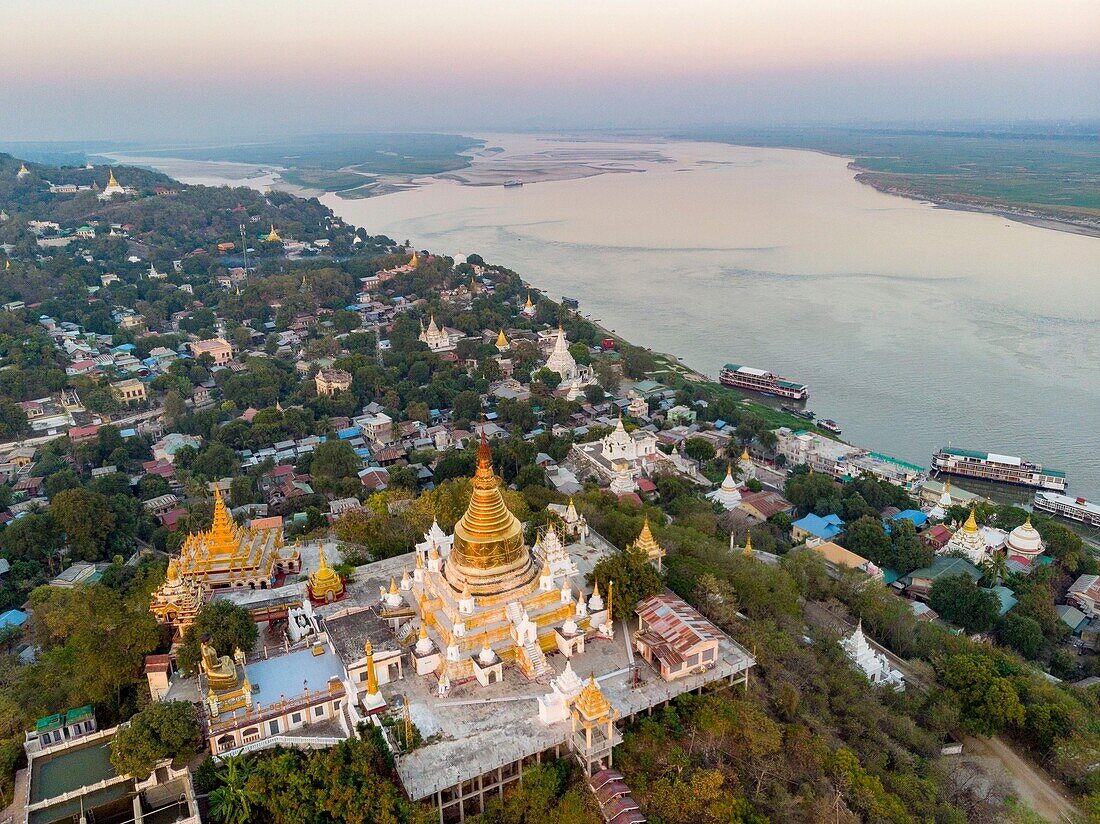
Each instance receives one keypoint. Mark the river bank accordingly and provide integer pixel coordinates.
(1038, 218)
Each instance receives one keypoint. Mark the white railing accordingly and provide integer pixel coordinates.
(304, 742)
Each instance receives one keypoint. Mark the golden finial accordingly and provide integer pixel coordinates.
(748, 545)
(596, 589)
(414, 261)
(610, 585)
(393, 586)
(372, 677)
(971, 524)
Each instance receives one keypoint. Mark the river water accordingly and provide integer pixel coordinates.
(914, 327)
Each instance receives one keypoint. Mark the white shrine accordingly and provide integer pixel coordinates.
(968, 542)
(551, 551)
(875, 665)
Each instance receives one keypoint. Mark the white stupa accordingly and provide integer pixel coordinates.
(554, 706)
(623, 482)
(875, 665)
(435, 536)
(560, 360)
(939, 511)
(728, 494)
(551, 551)
(1025, 542)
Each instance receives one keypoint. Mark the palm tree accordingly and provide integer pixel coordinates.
(996, 567)
(231, 802)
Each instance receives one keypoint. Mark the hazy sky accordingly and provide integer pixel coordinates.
(198, 68)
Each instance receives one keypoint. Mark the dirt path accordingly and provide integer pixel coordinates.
(1032, 786)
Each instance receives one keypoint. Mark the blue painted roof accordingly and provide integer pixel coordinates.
(350, 432)
(13, 618)
(828, 527)
(917, 517)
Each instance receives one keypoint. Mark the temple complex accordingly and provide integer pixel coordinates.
(24, 171)
(224, 556)
(439, 338)
(967, 541)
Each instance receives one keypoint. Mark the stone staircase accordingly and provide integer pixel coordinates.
(514, 612)
(406, 634)
(537, 666)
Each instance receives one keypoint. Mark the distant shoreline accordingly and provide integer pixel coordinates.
(868, 178)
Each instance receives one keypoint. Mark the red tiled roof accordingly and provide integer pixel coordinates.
(672, 622)
(766, 503)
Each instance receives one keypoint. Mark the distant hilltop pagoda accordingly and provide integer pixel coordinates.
(112, 188)
(224, 556)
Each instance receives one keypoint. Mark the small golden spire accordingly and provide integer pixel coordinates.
(528, 305)
(610, 585)
(423, 631)
(748, 545)
(393, 586)
(173, 569)
(596, 589)
(372, 677)
(414, 261)
(111, 178)
(745, 454)
(502, 341)
(272, 235)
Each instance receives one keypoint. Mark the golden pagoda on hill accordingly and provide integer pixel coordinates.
(488, 594)
(489, 554)
(224, 556)
(273, 236)
(414, 261)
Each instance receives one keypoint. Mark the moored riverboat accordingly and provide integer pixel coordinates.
(763, 382)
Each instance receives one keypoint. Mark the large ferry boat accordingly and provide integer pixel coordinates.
(1005, 469)
(762, 381)
(1076, 509)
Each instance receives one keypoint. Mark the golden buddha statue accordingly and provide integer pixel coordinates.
(489, 554)
(221, 672)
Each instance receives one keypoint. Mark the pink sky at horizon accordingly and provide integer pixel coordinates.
(716, 60)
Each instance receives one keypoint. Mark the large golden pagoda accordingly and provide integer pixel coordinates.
(488, 594)
(226, 555)
(489, 554)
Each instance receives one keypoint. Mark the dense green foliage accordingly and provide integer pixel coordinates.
(229, 628)
(163, 730)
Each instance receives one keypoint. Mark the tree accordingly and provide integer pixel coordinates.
(594, 393)
(634, 578)
(241, 491)
(699, 449)
(989, 701)
(215, 461)
(866, 537)
(163, 730)
(87, 521)
(229, 626)
(233, 800)
(959, 600)
(333, 461)
(1023, 634)
(607, 375)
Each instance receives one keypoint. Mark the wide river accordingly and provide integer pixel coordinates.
(915, 327)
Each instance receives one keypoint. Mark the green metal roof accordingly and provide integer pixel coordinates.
(79, 714)
(965, 453)
(47, 724)
(897, 461)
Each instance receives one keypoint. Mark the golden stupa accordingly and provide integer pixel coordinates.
(414, 261)
(528, 306)
(502, 341)
(178, 600)
(111, 182)
(645, 542)
(273, 235)
(489, 554)
(748, 545)
(324, 584)
(971, 524)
